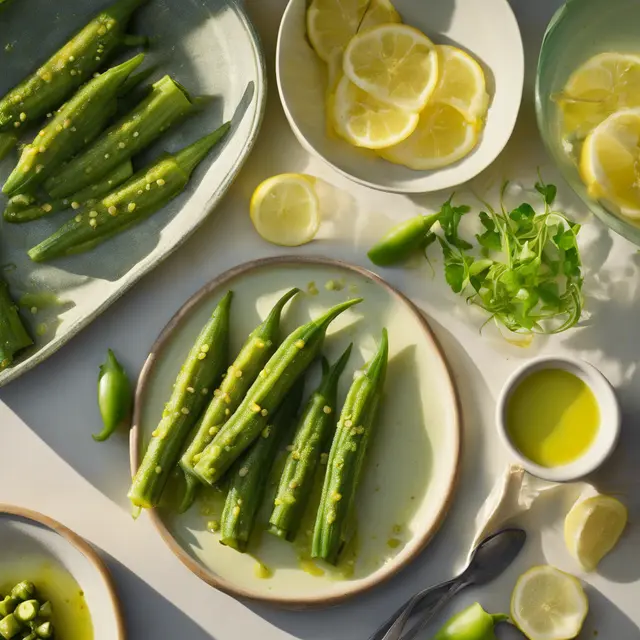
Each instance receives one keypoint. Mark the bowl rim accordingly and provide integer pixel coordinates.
(508, 125)
(208, 576)
(79, 543)
(610, 418)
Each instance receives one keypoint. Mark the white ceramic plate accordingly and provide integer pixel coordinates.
(414, 460)
(212, 49)
(487, 29)
(34, 543)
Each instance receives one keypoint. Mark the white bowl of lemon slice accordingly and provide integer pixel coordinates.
(413, 97)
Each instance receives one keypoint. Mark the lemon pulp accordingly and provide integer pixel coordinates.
(552, 417)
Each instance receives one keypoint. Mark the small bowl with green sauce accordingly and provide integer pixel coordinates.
(559, 417)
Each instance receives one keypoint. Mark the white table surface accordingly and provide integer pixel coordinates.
(49, 462)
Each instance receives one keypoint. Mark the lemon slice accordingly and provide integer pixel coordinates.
(443, 136)
(332, 23)
(285, 209)
(548, 604)
(593, 527)
(461, 82)
(603, 85)
(394, 63)
(366, 122)
(610, 162)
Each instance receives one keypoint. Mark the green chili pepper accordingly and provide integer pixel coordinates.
(402, 241)
(473, 623)
(114, 396)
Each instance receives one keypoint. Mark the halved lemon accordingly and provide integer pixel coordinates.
(394, 63)
(332, 23)
(548, 604)
(603, 85)
(593, 527)
(443, 136)
(461, 82)
(366, 122)
(610, 162)
(285, 209)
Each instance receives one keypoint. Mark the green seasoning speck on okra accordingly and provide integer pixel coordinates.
(198, 377)
(145, 193)
(134, 132)
(13, 336)
(346, 460)
(256, 351)
(286, 365)
(310, 441)
(248, 477)
(68, 69)
(72, 127)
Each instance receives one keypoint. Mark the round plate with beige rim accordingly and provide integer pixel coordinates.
(467, 24)
(59, 561)
(413, 464)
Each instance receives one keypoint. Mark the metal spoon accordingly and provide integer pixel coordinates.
(488, 560)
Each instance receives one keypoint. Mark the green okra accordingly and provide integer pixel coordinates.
(248, 476)
(286, 365)
(311, 439)
(8, 143)
(10, 626)
(24, 590)
(27, 610)
(14, 338)
(167, 103)
(145, 193)
(69, 68)
(8, 606)
(72, 127)
(346, 459)
(46, 610)
(254, 354)
(27, 208)
(198, 377)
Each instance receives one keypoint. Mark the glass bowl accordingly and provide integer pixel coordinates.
(579, 30)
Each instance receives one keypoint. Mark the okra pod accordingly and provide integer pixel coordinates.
(310, 441)
(8, 143)
(10, 626)
(198, 376)
(346, 459)
(286, 365)
(26, 208)
(145, 193)
(72, 127)
(249, 475)
(134, 132)
(68, 69)
(14, 338)
(256, 351)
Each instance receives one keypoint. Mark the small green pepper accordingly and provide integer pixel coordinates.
(473, 623)
(403, 240)
(114, 396)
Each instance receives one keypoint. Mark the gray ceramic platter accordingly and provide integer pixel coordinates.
(210, 47)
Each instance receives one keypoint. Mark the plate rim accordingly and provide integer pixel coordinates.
(22, 367)
(164, 337)
(80, 544)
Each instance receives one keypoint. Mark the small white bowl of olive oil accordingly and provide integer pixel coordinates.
(559, 417)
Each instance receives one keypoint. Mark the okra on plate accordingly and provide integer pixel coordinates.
(312, 436)
(286, 365)
(256, 351)
(14, 338)
(347, 456)
(68, 69)
(249, 475)
(145, 193)
(198, 377)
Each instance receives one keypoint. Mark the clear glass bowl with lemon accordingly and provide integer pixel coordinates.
(588, 106)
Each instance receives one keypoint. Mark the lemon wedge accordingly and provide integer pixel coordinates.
(461, 82)
(285, 209)
(332, 23)
(548, 604)
(593, 527)
(443, 136)
(603, 85)
(394, 63)
(610, 162)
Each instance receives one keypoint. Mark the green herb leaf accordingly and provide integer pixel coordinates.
(547, 191)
